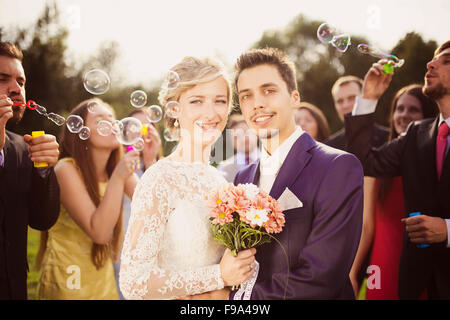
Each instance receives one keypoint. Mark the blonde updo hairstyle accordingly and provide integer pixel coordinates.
(193, 71)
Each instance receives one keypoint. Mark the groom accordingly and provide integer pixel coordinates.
(319, 188)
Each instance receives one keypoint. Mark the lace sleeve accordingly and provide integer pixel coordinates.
(140, 275)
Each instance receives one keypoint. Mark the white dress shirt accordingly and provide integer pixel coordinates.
(270, 164)
(2, 158)
(366, 106)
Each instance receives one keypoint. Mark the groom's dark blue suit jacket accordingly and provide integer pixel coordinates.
(322, 237)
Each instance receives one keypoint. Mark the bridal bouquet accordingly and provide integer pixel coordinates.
(243, 216)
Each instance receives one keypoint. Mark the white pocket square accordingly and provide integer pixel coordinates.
(288, 200)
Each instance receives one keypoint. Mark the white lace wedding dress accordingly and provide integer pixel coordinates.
(168, 250)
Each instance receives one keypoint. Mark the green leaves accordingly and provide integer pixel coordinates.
(238, 235)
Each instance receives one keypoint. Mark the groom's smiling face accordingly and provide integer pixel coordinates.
(266, 103)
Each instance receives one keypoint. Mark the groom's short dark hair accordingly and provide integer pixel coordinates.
(270, 56)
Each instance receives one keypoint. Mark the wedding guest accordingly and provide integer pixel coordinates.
(420, 157)
(29, 196)
(345, 91)
(76, 253)
(245, 144)
(383, 230)
(313, 121)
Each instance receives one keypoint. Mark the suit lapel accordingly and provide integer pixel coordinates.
(293, 165)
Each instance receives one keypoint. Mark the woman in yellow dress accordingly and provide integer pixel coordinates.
(76, 253)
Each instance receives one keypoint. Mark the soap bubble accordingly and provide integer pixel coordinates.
(84, 133)
(328, 35)
(171, 136)
(154, 113)
(92, 106)
(138, 99)
(104, 128)
(130, 132)
(56, 118)
(325, 33)
(74, 123)
(116, 126)
(96, 81)
(172, 80)
(172, 109)
(41, 110)
(367, 49)
(139, 144)
(341, 42)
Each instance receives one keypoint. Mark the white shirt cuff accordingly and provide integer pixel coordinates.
(364, 106)
(447, 221)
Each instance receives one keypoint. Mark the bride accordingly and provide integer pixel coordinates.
(168, 250)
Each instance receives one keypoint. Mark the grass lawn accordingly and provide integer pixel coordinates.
(33, 275)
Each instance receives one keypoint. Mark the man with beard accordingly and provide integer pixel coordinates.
(420, 157)
(29, 196)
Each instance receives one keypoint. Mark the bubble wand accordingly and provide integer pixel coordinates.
(393, 61)
(32, 105)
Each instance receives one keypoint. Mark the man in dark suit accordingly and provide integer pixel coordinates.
(28, 195)
(344, 92)
(320, 188)
(420, 157)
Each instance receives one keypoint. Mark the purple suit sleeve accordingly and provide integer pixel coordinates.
(326, 258)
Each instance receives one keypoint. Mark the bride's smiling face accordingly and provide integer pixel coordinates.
(204, 111)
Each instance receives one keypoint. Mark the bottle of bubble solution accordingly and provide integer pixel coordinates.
(419, 245)
(36, 134)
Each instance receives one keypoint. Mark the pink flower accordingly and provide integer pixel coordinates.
(221, 215)
(238, 200)
(275, 223)
(219, 197)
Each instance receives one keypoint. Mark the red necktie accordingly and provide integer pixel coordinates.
(441, 143)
